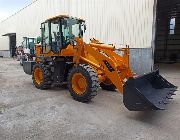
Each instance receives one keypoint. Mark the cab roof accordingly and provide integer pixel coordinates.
(62, 17)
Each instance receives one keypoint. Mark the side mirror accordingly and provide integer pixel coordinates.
(84, 28)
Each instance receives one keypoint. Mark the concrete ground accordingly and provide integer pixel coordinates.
(29, 113)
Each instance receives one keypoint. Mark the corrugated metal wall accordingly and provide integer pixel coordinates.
(117, 21)
(111, 21)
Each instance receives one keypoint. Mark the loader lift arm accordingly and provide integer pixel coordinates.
(113, 66)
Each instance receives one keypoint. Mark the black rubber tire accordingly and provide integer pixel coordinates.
(46, 84)
(107, 87)
(92, 82)
(21, 63)
(22, 59)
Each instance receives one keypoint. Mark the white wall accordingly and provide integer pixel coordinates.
(4, 43)
(111, 21)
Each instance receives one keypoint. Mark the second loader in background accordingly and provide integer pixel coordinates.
(28, 49)
(63, 57)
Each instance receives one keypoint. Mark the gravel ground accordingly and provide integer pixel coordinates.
(29, 113)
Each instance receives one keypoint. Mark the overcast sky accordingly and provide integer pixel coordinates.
(9, 7)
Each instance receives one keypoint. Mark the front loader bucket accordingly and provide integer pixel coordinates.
(147, 92)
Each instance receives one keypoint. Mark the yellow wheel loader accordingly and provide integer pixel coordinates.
(63, 57)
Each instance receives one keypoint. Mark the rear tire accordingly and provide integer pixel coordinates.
(41, 76)
(108, 87)
(87, 83)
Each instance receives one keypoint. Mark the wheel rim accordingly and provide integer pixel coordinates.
(38, 76)
(79, 83)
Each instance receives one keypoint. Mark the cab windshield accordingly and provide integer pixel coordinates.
(72, 28)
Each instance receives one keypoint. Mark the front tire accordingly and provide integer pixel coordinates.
(41, 76)
(21, 62)
(83, 83)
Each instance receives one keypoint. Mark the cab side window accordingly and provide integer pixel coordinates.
(56, 39)
(45, 35)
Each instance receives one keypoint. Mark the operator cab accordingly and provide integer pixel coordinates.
(27, 41)
(28, 44)
(60, 31)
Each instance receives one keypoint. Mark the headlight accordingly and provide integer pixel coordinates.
(74, 43)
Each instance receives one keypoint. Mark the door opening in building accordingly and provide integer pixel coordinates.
(167, 44)
(12, 43)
